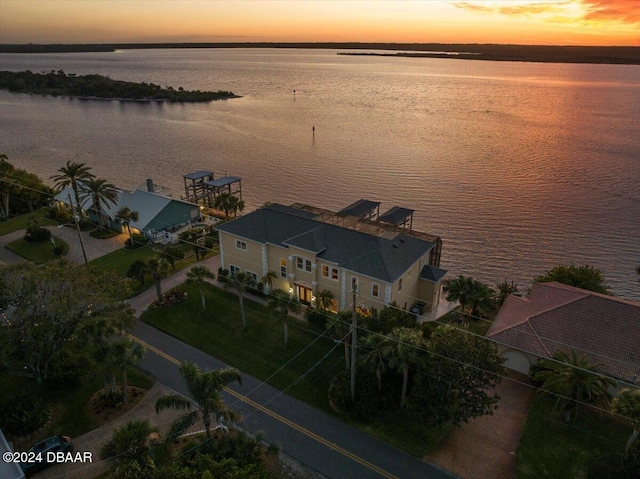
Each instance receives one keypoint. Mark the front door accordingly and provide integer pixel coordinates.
(304, 294)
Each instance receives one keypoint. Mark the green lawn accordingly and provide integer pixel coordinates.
(258, 351)
(39, 253)
(118, 262)
(550, 448)
(21, 222)
(69, 407)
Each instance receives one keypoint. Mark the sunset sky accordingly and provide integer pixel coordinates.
(559, 22)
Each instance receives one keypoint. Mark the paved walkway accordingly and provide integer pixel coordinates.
(143, 300)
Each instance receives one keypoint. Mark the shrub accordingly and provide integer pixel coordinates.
(223, 275)
(136, 241)
(68, 369)
(317, 318)
(369, 401)
(60, 250)
(137, 270)
(22, 414)
(37, 234)
(59, 216)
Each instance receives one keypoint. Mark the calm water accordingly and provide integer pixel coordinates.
(517, 166)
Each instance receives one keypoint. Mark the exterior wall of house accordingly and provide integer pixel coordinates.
(517, 360)
(406, 291)
(315, 275)
(429, 292)
(284, 271)
(244, 254)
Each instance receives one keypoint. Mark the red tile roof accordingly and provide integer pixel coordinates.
(560, 317)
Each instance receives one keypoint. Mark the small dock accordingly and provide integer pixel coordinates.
(202, 187)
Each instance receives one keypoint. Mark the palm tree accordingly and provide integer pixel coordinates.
(129, 447)
(574, 380)
(199, 275)
(473, 295)
(73, 175)
(504, 290)
(268, 279)
(99, 191)
(240, 282)
(223, 202)
(281, 304)
(324, 298)
(401, 350)
(627, 404)
(126, 355)
(158, 268)
(204, 388)
(375, 359)
(235, 205)
(125, 216)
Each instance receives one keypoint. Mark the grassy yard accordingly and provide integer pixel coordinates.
(258, 351)
(69, 406)
(21, 222)
(39, 253)
(118, 262)
(550, 448)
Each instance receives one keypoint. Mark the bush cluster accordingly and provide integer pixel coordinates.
(37, 234)
(22, 414)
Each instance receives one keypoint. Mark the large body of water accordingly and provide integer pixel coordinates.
(517, 166)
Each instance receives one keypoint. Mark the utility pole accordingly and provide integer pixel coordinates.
(75, 220)
(354, 318)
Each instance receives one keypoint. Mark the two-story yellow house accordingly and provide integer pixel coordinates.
(311, 249)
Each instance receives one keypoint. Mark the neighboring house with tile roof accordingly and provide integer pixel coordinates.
(311, 249)
(157, 213)
(559, 317)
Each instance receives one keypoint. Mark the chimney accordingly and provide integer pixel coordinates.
(149, 185)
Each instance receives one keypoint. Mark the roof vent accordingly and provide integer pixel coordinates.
(394, 245)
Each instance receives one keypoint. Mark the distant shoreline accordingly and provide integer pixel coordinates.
(93, 87)
(624, 55)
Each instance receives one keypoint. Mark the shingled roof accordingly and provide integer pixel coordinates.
(560, 317)
(374, 256)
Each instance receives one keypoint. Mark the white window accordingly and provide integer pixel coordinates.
(334, 274)
(375, 290)
(283, 268)
(400, 285)
(354, 283)
(253, 276)
(241, 245)
(234, 270)
(303, 264)
(325, 271)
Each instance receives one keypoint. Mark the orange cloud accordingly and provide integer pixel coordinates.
(627, 11)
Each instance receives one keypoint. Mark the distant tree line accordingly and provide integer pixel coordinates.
(69, 84)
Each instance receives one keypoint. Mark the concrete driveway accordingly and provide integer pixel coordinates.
(485, 447)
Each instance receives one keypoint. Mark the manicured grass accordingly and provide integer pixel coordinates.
(21, 222)
(118, 261)
(258, 351)
(550, 448)
(39, 253)
(70, 412)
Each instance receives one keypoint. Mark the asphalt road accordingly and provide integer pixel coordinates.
(314, 438)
